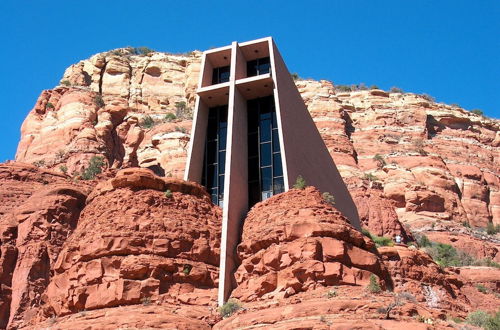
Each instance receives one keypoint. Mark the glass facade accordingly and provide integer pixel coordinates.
(215, 154)
(258, 66)
(220, 75)
(265, 169)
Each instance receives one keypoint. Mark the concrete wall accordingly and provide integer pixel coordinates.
(194, 165)
(303, 149)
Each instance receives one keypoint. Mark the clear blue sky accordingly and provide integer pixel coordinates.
(449, 49)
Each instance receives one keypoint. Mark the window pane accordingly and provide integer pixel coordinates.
(278, 186)
(253, 120)
(222, 162)
(253, 169)
(266, 178)
(265, 154)
(222, 138)
(211, 176)
(224, 74)
(266, 194)
(265, 130)
(276, 141)
(253, 145)
(251, 68)
(212, 128)
(211, 152)
(221, 184)
(253, 193)
(223, 116)
(277, 165)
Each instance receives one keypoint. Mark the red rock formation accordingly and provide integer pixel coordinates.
(477, 247)
(135, 243)
(296, 241)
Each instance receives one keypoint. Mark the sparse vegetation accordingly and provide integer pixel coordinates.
(168, 193)
(374, 286)
(39, 163)
(228, 309)
(49, 106)
(370, 177)
(428, 97)
(378, 240)
(187, 269)
(147, 122)
(95, 167)
(343, 88)
(181, 129)
(491, 229)
(446, 255)
(295, 76)
(477, 112)
(484, 320)
(332, 293)
(466, 224)
(140, 50)
(180, 109)
(64, 169)
(65, 83)
(399, 300)
(146, 301)
(482, 288)
(300, 183)
(396, 90)
(380, 161)
(374, 87)
(328, 198)
(98, 101)
(170, 117)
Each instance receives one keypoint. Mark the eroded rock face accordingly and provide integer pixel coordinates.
(39, 210)
(296, 241)
(136, 243)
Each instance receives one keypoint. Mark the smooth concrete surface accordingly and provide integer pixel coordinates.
(305, 152)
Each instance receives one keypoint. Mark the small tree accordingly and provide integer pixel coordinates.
(374, 87)
(300, 183)
(374, 286)
(228, 309)
(380, 161)
(63, 169)
(170, 117)
(491, 229)
(295, 76)
(65, 83)
(49, 106)
(328, 198)
(147, 122)
(95, 167)
(180, 108)
(477, 112)
(98, 101)
(396, 90)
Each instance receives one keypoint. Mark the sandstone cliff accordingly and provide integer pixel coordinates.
(79, 251)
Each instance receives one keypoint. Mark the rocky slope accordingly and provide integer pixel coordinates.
(72, 252)
(132, 249)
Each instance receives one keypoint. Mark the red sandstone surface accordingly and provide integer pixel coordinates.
(116, 252)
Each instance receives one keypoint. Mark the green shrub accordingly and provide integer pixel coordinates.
(382, 241)
(366, 232)
(482, 288)
(374, 87)
(491, 229)
(180, 129)
(343, 88)
(63, 169)
(466, 224)
(478, 318)
(39, 163)
(228, 309)
(327, 197)
(146, 301)
(300, 183)
(374, 286)
(187, 269)
(423, 241)
(168, 193)
(65, 83)
(49, 106)
(147, 122)
(396, 90)
(477, 112)
(170, 117)
(428, 97)
(141, 50)
(380, 161)
(295, 76)
(370, 177)
(332, 293)
(98, 101)
(95, 167)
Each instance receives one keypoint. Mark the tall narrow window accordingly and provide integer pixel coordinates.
(258, 66)
(220, 75)
(265, 170)
(215, 154)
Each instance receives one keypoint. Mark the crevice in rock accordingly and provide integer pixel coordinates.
(101, 76)
(349, 129)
